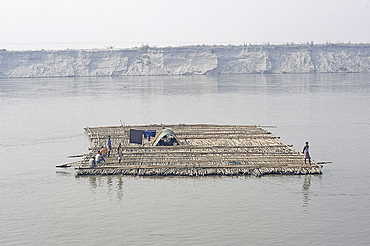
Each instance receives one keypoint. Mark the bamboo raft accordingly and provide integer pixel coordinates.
(202, 150)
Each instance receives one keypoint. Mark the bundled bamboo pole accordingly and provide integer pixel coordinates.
(205, 150)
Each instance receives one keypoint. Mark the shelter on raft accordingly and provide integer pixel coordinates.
(193, 150)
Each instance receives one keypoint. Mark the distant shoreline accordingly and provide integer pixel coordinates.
(188, 60)
(136, 47)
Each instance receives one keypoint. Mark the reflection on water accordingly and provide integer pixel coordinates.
(93, 181)
(120, 188)
(97, 182)
(306, 190)
(109, 185)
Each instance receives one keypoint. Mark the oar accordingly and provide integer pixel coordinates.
(268, 126)
(72, 156)
(67, 164)
(324, 162)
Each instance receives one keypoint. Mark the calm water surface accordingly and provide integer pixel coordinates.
(42, 122)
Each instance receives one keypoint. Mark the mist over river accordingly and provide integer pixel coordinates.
(42, 121)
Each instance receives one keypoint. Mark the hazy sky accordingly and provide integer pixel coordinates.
(60, 24)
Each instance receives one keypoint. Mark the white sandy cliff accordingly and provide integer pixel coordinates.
(191, 60)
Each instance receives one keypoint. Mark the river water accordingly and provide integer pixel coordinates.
(42, 121)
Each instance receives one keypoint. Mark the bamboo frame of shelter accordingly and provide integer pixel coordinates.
(203, 150)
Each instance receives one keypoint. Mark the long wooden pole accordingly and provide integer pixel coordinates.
(72, 156)
(68, 164)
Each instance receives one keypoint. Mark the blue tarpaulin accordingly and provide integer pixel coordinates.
(149, 133)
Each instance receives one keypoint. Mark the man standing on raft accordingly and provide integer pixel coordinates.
(306, 153)
(109, 145)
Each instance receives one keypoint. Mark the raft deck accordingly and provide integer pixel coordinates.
(203, 150)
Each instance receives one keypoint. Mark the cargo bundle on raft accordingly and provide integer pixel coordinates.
(193, 150)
